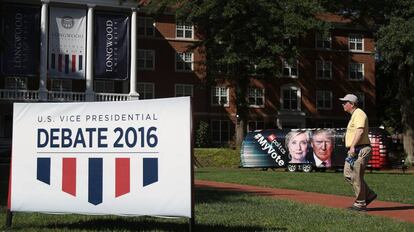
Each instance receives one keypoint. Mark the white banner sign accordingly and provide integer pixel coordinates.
(67, 42)
(121, 158)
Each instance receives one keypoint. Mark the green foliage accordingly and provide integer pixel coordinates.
(202, 135)
(217, 157)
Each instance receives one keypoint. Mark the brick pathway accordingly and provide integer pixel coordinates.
(398, 211)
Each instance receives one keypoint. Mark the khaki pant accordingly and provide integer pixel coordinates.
(355, 176)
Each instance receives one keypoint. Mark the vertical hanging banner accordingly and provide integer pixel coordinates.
(21, 32)
(120, 158)
(111, 46)
(67, 42)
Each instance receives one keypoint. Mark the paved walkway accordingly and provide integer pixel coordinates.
(402, 212)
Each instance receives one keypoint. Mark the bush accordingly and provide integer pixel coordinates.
(202, 135)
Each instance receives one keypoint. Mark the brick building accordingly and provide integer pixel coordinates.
(160, 66)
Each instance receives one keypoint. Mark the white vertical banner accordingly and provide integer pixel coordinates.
(67, 43)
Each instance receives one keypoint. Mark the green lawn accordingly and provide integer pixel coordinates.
(222, 212)
(234, 211)
(394, 187)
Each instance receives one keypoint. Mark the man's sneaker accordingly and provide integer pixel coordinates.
(369, 200)
(359, 206)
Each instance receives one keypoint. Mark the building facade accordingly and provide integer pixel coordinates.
(156, 63)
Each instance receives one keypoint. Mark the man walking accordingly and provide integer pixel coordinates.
(359, 152)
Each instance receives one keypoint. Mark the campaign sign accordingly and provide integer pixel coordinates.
(120, 158)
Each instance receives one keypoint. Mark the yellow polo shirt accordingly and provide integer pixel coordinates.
(358, 120)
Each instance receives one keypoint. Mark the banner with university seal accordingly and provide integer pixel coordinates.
(67, 43)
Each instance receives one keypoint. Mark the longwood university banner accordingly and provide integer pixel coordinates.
(67, 42)
(134, 159)
(21, 32)
(112, 46)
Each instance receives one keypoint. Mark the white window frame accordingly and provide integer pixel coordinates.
(182, 59)
(183, 90)
(144, 54)
(147, 25)
(354, 70)
(221, 139)
(184, 28)
(326, 97)
(15, 83)
(323, 66)
(324, 42)
(285, 65)
(255, 94)
(220, 92)
(354, 40)
(283, 97)
(61, 85)
(255, 123)
(148, 88)
(104, 86)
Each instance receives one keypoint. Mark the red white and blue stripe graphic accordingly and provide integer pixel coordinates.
(95, 175)
(66, 63)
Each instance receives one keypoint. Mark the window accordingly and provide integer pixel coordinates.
(146, 26)
(16, 83)
(256, 97)
(323, 41)
(291, 98)
(323, 100)
(61, 85)
(361, 99)
(104, 86)
(184, 61)
(356, 42)
(323, 70)
(290, 70)
(220, 96)
(146, 90)
(289, 41)
(146, 59)
(255, 125)
(220, 130)
(183, 90)
(184, 30)
(356, 71)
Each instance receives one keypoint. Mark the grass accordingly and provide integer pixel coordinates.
(389, 186)
(217, 157)
(224, 212)
(234, 211)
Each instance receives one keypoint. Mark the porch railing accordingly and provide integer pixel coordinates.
(55, 96)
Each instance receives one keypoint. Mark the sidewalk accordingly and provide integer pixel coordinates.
(398, 211)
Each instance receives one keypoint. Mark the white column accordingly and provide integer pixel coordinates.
(90, 94)
(44, 31)
(133, 94)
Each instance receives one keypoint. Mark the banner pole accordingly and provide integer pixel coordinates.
(192, 219)
(9, 218)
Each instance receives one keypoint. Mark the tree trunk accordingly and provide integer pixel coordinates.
(406, 83)
(240, 132)
(241, 107)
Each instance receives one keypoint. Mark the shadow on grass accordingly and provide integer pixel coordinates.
(114, 223)
(408, 207)
(123, 224)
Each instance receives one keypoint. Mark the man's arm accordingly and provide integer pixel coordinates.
(358, 134)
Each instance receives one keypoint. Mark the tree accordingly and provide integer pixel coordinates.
(243, 39)
(395, 45)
